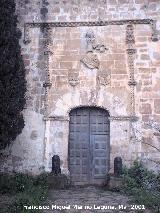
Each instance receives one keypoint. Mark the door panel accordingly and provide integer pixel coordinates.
(88, 145)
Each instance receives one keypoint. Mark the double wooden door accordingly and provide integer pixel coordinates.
(89, 147)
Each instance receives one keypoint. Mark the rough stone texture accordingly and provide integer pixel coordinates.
(47, 112)
(115, 183)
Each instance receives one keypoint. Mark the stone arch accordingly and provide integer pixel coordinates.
(88, 105)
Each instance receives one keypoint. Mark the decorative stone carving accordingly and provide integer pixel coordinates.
(129, 34)
(100, 48)
(47, 35)
(131, 51)
(90, 38)
(93, 97)
(92, 45)
(104, 78)
(155, 36)
(73, 78)
(78, 24)
(91, 61)
(130, 41)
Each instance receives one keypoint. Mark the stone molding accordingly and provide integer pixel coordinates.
(123, 118)
(29, 25)
(111, 118)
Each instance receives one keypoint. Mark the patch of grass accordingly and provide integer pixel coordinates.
(7, 184)
(27, 190)
(143, 185)
(35, 196)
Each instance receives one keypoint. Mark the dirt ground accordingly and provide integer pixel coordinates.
(90, 200)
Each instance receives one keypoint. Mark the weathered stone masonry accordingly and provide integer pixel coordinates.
(88, 53)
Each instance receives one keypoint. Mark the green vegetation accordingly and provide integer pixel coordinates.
(12, 76)
(143, 185)
(26, 189)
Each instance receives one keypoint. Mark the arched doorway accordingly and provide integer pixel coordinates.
(89, 145)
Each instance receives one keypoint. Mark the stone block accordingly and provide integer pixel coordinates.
(119, 71)
(141, 39)
(157, 106)
(73, 44)
(65, 65)
(114, 183)
(112, 2)
(139, 1)
(60, 181)
(146, 109)
(147, 82)
(145, 57)
(123, 1)
(144, 70)
(145, 118)
(119, 64)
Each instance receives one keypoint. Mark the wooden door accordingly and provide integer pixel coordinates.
(88, 152)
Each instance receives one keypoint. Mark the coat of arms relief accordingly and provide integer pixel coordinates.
(91, 61)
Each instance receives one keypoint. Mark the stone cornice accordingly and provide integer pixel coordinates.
(29, 25)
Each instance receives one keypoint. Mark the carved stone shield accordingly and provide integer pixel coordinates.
(91, 61)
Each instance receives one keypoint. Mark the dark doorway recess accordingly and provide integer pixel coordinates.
(89, 145)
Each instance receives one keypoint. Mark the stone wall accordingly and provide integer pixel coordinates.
(123, 78)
